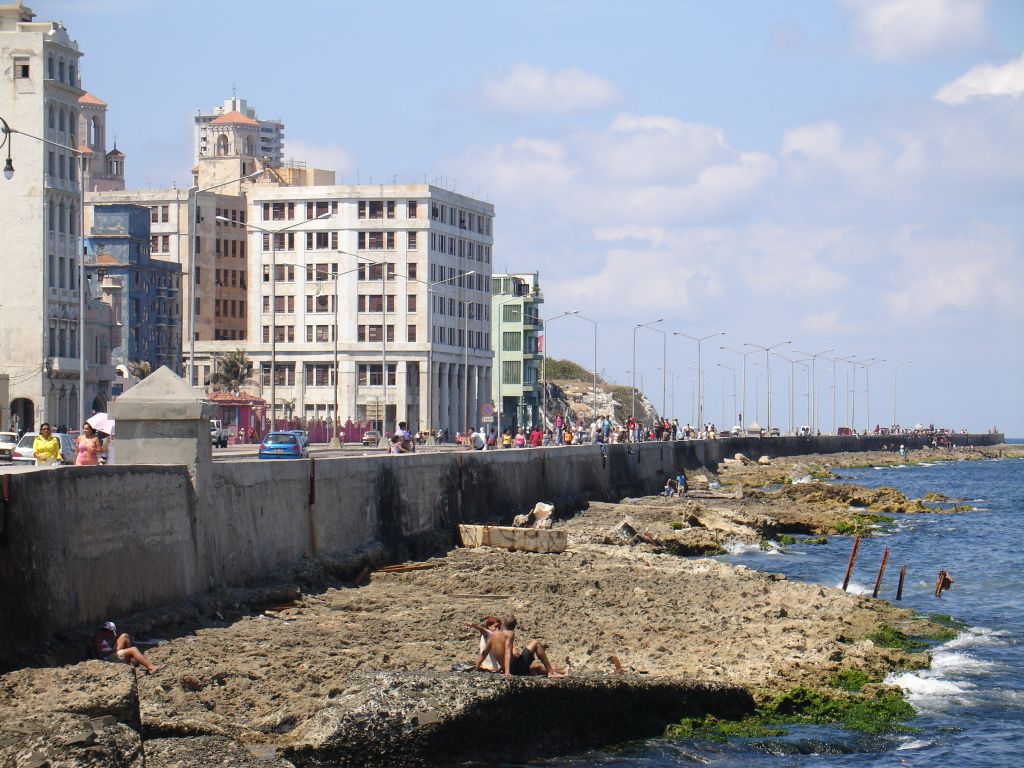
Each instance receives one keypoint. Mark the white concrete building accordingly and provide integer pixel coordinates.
(41, 204)
(234, 129)
(382, 271)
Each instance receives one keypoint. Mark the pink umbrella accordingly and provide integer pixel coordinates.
(101, 422)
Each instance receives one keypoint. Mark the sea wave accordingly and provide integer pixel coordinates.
(952, 663)
(736, 547)
(856, 588)
(979, 636)
(921, 687)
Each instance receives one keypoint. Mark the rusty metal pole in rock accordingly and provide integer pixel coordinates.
(849, 568)
(881, 572)
(899, 588)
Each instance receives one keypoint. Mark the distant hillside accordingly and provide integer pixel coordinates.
(571, 390)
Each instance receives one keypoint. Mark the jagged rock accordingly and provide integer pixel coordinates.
(623, 533)
(743, 459)
(520, 521)
(764, 461)
(418, 719)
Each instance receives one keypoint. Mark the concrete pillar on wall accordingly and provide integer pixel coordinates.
(441, 403)
(474, 395)
(401, 392)
(163, 420)
(426, 418)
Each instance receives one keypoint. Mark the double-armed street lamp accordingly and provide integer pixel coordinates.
(636, 328)
(767, 364)
(700, 380)
(544, 366)
(792, 367)
(730, 368)
(743, 355)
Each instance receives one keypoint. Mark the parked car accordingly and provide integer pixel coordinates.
(371, 437)
(844, 431)
(774, 432)
(218, 435)
(301, 434)
(804, 431)
(8, 442)
(283, 445)
(22, 453)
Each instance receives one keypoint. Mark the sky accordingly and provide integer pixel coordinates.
(840, 174)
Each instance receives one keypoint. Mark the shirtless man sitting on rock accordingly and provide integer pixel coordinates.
(501, 645)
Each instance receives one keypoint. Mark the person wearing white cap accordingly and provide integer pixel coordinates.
(109, 646)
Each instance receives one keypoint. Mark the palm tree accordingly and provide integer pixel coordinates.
(233, 371)
(140, 369)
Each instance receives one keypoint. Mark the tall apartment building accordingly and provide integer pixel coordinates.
(515, 336)
(144, 293)
(39, 292)
(396, 277)
(213, 133)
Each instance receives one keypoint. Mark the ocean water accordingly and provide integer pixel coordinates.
(971, 701)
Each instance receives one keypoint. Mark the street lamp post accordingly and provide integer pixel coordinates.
(792, 378)
(191, 210)
(576, 313)
(635, 329)
(272, 233)
(79, 155)
(894, 369)
(767, 365)
(672, 391)
(814, 396)
(866, 365)
(544, 369)
(729, 367)
(700, 382)
(743, 355)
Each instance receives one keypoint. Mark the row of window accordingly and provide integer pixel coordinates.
(461, 218)
(322, 374)
(378, 332)
(457, 277)
(63, 341)
(229, 278)
(159, 243)
(237, 217)
(229, 308)
(60, 217)
(230, 247)
(60, 166)
(461, 247)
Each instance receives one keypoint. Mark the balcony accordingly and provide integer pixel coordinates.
(63, 367)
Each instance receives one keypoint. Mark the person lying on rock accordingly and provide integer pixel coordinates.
(501, 644)
(109, 646)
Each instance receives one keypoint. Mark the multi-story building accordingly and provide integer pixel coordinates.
(42, 205)
(234, 129)
(515, 336)
(144, 293)
(391, 281)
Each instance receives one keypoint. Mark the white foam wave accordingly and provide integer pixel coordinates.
(737, 547)
(803, 480)
(925, 464)
(952, 663)
(978, 636)
(855, 588)
(914, 744)
(918, 687)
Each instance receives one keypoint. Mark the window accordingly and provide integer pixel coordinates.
(370, 374)
(375, 209)
(410, 333)
(319, 374)
(512, 313)
(410, 302)
(319, 333)
(391, 209)
(21, 68)
(411, 241)
(320, 208)
(511, 341)
(510, 372)
(164, 213)
(410, 209)
(284, 333)
(320, 303)
(412, 270)
(374, 303)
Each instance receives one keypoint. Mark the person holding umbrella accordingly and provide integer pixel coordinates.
(88, 444)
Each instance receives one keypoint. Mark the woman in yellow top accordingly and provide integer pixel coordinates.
(46, 447)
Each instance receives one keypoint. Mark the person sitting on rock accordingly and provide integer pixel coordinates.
(501, 644)
(671, 487)
(109, 646)
(490, 625)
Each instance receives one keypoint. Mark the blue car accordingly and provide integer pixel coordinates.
(283, 445)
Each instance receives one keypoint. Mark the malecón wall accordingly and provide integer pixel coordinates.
(81, 544)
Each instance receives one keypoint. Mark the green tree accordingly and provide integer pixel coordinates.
(140, 369)
(233, 371)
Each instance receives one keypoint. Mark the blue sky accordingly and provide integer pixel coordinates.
(842, 174)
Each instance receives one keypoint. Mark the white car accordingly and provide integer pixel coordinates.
(23, 451)
(8, 442)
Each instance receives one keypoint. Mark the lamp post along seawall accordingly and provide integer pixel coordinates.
(8, 132)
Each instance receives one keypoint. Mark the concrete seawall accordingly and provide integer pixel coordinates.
(80, 544)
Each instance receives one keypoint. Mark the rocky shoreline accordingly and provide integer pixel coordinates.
(363, 675)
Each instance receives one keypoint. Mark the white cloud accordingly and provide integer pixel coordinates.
(985, 81)
(823, 144)
(900, 29)
(531, 89)
(324, 156)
